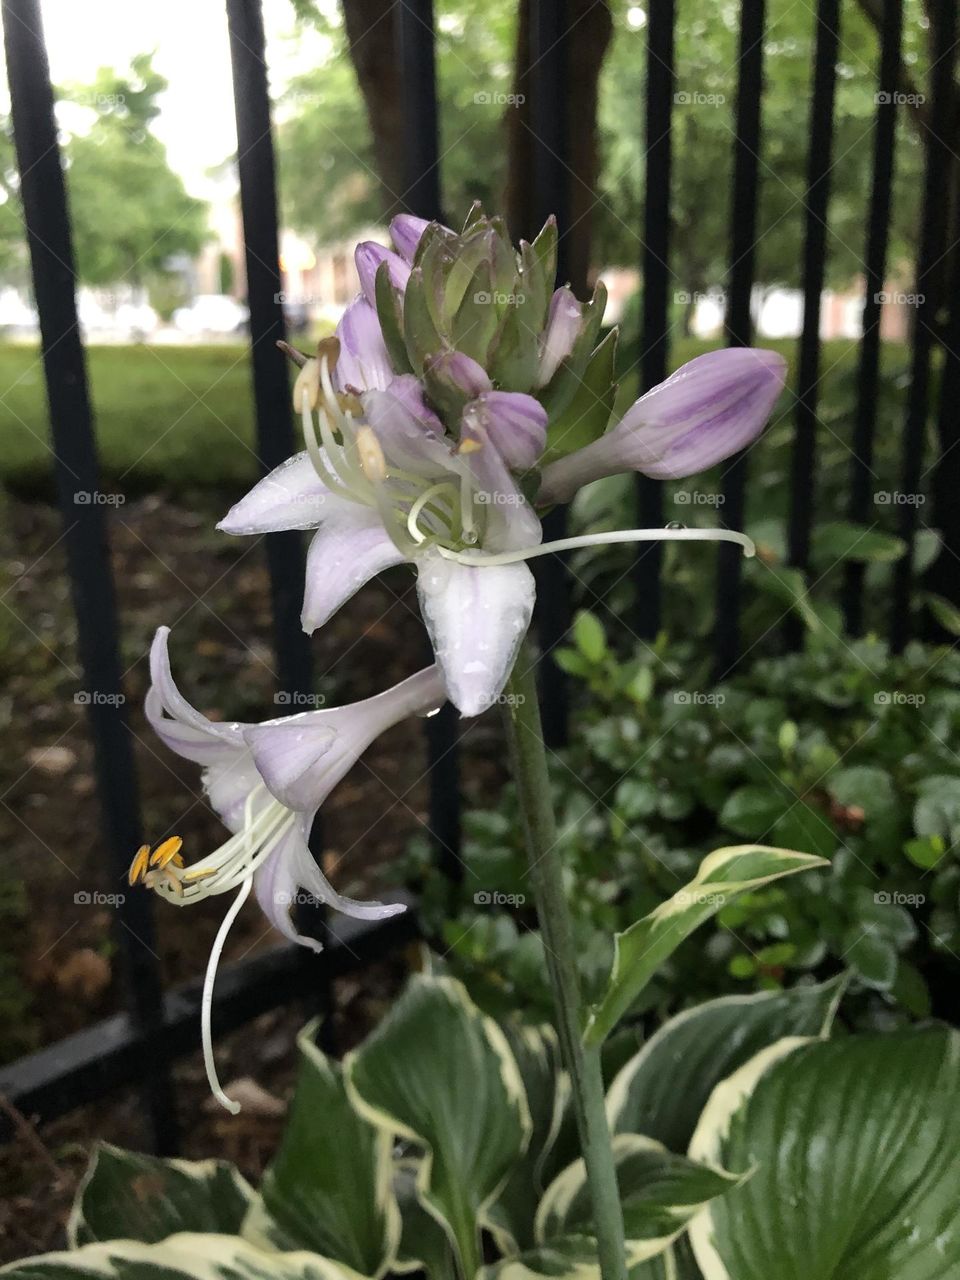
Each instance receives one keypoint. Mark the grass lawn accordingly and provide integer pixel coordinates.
(175, 417)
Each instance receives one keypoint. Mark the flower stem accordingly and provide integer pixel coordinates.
(529, 760)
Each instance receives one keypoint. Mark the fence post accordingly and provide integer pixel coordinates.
(44, 197)
(933, 230)
(271, 388)
(878, 235)
(738, 323)
(551, 184)
(654, 336)
(816, 202)
(415, 44)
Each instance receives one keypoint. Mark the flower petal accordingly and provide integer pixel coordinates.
(292, 496)
(563, 326)
(709, 409)
(292, 867)
(509, 520)
(516, 423)
(369, 256)
(706, 411)
(350, 549)
(168, 698)
(405, 231)
(300, 758)
(363, 363)
(476, 617)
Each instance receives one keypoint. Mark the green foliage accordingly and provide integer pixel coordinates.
(736, 1081)
(129, 210)
(841, 751)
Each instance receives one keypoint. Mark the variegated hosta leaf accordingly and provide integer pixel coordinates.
(328, 1188)
(659, 1191)
(188, 1256)
(573, 1259)
(440, 1073)
(855, 1145)
(547, 1086)
(424, 1245)
(138, 1197)
(663, 1089)
(642, 949)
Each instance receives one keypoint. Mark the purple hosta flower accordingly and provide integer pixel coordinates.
(463, 393)
(383, 485)
(266, 781)
(709, 409)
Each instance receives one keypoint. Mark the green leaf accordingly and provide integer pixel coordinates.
(642, 948)
(145, 1198)
(547, 1087)
(572, 1259)
(420, 335)
(937, 810)
(659, 1191)
(945, 612)
(328, 1188)
(662, 1090)
(390, 315)
(925, 851)
(871, 955)
(589, 636)
(753, 810)
(439, 1073)
(854, 1142)
(585, 417)
(187, 1255)
(841, 540)
(423, 1241)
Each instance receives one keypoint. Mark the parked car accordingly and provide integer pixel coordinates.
(212, 314)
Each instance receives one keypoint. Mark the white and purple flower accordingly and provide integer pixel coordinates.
(266, 782)
(440, 465)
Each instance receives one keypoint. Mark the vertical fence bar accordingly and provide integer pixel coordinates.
(76, 468)
(654, 342)
(415, 44)
(548, 57)
(878, 235)
(738, 324)
(271, 388)
(816, 202)
(943, 577)
(933, 225)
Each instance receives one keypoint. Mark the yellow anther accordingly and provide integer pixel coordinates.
(469, 445)
(198, 873)
(371, 455)
(138, 867)
(168, 851)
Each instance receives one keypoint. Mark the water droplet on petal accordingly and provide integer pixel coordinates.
(675, 524)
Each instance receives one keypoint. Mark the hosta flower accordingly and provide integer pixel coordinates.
(266, 781)
(462, 395)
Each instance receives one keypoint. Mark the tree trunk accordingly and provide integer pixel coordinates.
(590, 29)
(371, 35)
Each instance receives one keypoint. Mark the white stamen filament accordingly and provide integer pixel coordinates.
(413, 516)
(480, 558)
(206, 1002)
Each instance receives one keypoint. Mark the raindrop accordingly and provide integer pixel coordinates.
(675, 524)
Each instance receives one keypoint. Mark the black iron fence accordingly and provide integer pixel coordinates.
(139, 1044)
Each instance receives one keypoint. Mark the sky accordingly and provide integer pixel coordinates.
(192, 51)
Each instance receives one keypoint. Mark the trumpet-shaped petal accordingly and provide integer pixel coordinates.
(292, 496)
(516, 424)
(709, 409)
(476, 618)
(364, 363)
(406, 231)
(351, 548)
(369, 257)
(563, 326)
